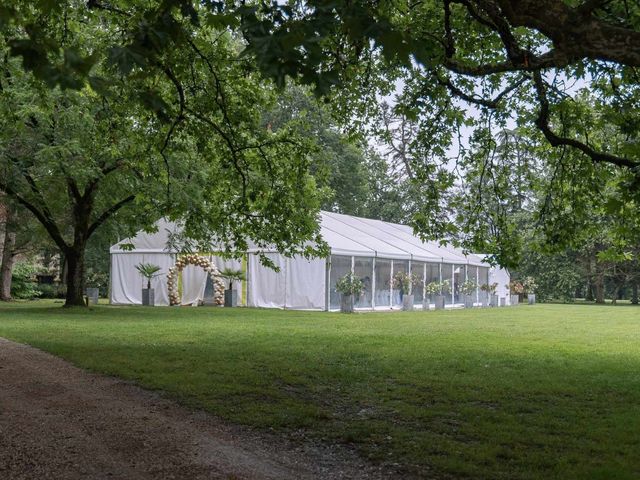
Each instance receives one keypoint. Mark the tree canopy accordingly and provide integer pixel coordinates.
(561, 73)
(193, 149)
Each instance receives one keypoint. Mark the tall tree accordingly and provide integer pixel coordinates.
(337, 161)
(192, 148)
(19, 235)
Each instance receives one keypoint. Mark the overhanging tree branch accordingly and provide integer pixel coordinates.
(542, 122)
(46, 220)
(491, 103)
(107, 214)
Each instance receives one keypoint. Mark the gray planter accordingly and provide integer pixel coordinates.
(92, 296)
(439, 302)
(209, 299)
(503, 301)
(407, 303)
(148, 297)
(346, 303)
(515, 300)
(468, 301)
(531, 298)
(493, 301)
(230, 298)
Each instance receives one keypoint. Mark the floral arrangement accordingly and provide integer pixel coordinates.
(491, 288)
(349, 285)
(404, 280)
(432, 288)
(210, 268)
(529, 285)
(436, 288)
(468, 287)
(516, 287)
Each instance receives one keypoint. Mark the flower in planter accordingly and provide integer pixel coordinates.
(349, 284)
(403, 281)
(529, 285)
(491, 288)
(468, 287)
(438, 288)
(516, 287)
(433, 288)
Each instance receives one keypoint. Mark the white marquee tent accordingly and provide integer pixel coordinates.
(371, 249)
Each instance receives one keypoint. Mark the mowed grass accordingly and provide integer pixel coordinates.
(545, 391)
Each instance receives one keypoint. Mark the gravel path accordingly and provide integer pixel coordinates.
(60, 422)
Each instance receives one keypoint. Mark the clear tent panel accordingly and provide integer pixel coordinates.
(340, 266)
(382, 293)
(432, 275)
(459, 276)
(398, 266)
(417, 269)
(447, 276)
(472, 275)
(363, 269)
(483, 279)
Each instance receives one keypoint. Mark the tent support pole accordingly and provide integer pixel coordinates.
(373, 284)
(327, 279)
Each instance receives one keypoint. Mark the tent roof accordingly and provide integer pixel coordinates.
(399, 236)
(345, 235)
(149, 242)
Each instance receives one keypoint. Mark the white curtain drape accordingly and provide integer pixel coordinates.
(300, 283)
(127, 283)
(305, 283)
(266, 286)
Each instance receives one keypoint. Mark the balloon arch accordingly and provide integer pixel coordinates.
(210, 268)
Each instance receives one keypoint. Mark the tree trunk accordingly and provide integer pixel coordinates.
(7, 252)
(6, 265)
(598, 285)
(634, 294)
(589, 293)
(614, 297)
(75, 276)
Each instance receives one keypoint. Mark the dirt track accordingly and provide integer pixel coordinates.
(60, 422)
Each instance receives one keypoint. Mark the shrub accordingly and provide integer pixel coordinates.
(51, 291)
(23, 281)
(99, 280)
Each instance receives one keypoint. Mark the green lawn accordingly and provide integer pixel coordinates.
(549, 391)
